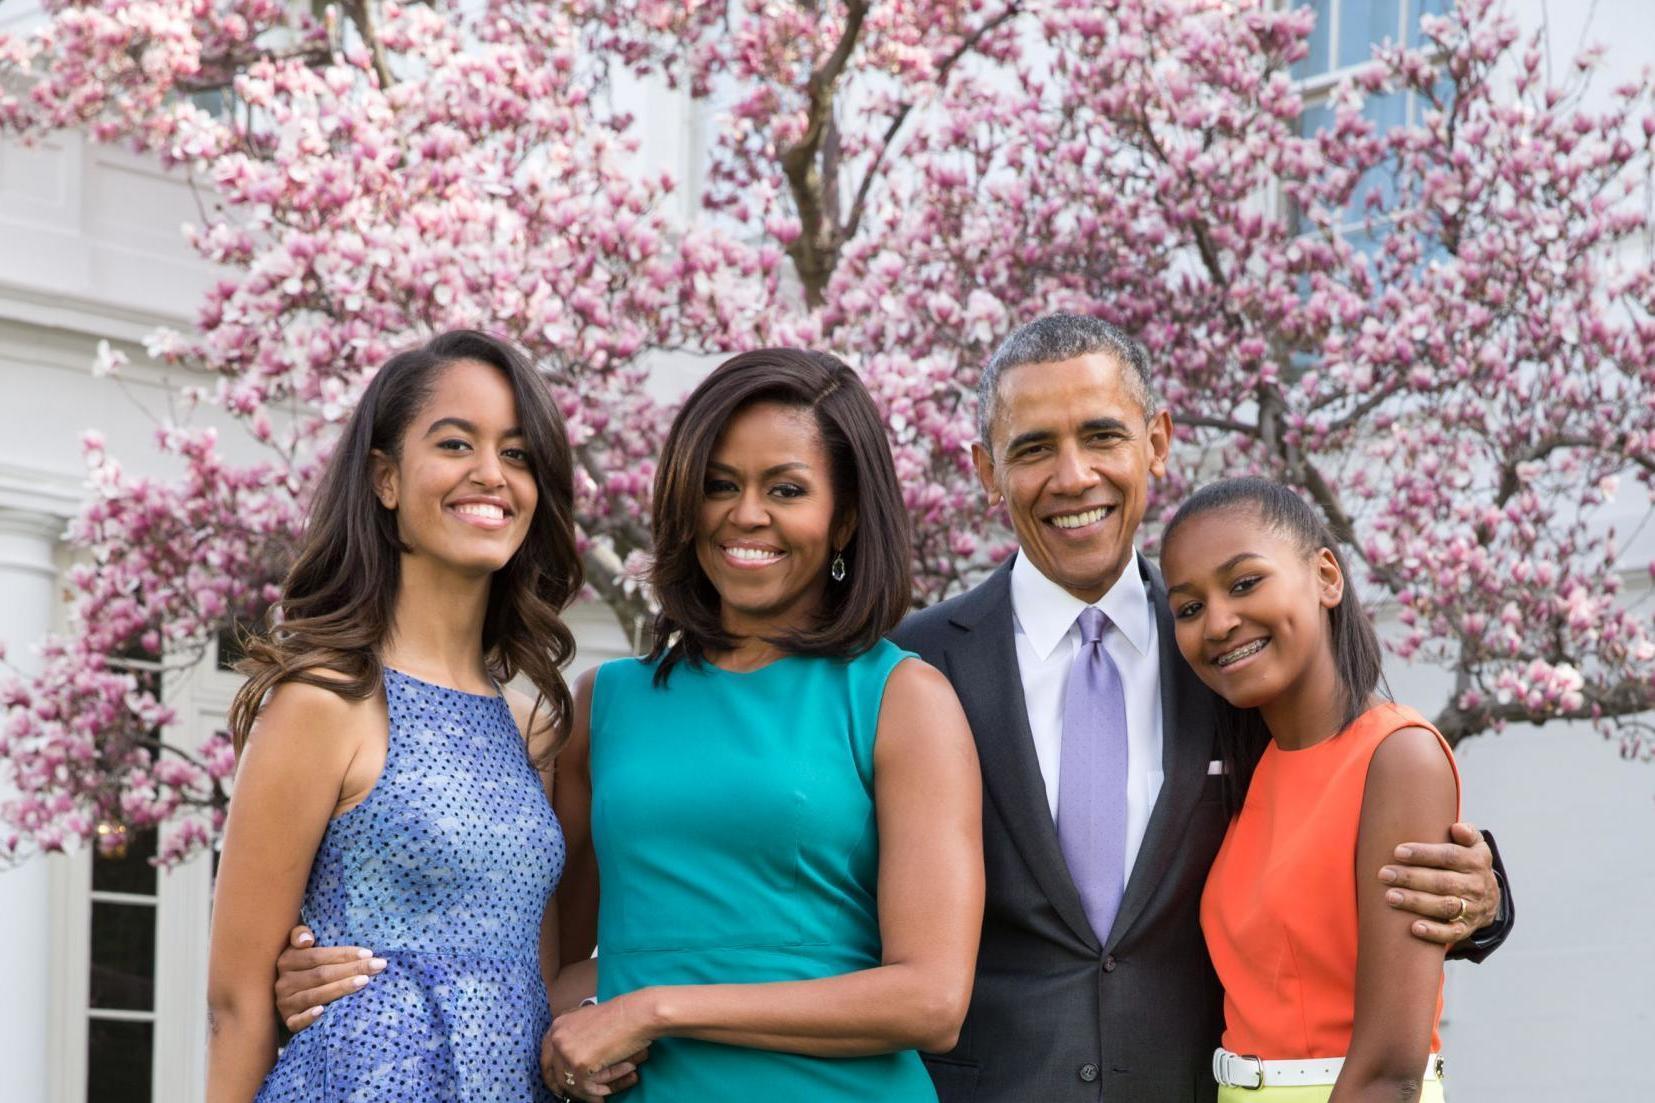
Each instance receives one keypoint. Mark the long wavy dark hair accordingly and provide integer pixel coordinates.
(879, 585)
(339, 597)
(1357, 658)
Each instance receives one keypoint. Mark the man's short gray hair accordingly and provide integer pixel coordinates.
(1059, 337)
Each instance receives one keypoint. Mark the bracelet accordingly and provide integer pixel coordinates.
(589, 1001)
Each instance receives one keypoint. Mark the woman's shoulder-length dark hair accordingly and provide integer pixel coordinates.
(339, 597)
(877, 587)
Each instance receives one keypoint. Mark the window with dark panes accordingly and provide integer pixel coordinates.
(230, 650)
(120, 1004)
(121, 996)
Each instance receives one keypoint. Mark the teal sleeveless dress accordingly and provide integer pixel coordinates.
(733, 818)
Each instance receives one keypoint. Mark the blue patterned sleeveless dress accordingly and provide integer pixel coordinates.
(444, 871)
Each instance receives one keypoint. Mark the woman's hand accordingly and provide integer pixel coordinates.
(309, 976)
(594, 1051)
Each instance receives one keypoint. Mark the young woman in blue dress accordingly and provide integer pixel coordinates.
(387, 788)
(785, 807)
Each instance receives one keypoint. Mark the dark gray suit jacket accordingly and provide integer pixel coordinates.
(1055, 1017)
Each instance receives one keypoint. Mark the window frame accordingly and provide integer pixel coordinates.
(183, 898)
(1317, 89)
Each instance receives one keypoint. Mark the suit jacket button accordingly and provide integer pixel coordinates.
(1109, 964)
(1088, 1072)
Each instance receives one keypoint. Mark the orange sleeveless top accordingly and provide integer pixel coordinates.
(1279, 909)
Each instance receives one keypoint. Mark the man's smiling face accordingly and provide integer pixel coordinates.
(1071, 452)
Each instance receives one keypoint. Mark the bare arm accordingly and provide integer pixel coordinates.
(1411, 794)
(928, 794)
(568, 933)
(577, 894)
(294, 774)
(573, 977)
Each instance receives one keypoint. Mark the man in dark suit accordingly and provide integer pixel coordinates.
(1070, 437)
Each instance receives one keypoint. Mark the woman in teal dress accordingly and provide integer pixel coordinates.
(784, 806)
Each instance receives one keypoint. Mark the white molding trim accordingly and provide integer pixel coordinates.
(43, 525)
(31, 344)
(28, 540)
(59, 310)
(42, 494)
(71, 887)
(183, 929)
(182, 920)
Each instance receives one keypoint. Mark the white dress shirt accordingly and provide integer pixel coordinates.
(1044, 616)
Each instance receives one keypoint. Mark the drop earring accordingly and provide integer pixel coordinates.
(837, 571)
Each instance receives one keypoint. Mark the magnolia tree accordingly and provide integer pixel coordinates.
(1439, 331)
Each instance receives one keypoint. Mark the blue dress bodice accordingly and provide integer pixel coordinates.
(444, 870)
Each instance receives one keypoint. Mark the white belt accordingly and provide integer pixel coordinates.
(1233, 1070)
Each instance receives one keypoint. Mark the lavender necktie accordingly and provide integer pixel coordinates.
(1091, 787)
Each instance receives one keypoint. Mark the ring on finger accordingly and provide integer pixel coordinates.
(1465, 907)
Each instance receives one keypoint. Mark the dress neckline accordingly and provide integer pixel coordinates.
(495, 696)
(777, 661)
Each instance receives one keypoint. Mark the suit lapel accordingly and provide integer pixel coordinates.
(1187, 720)
(985, 673)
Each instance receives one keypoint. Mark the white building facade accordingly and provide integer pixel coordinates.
(103, 960)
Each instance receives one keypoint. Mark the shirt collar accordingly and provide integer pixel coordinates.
(1046, 611)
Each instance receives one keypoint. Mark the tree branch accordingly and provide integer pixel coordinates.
(1624, 698)
(1341, 524)
(1360, 412)
(815, 251)
(966, 46)
(1198, 421)
(604, 571)
(1545, 446)
(361, 14)
(221, 72)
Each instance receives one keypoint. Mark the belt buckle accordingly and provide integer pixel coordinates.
(1230, 1080)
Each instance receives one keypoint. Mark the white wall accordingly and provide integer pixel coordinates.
(1564, 1011)
(27, 578)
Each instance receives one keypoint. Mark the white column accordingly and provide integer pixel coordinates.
(28, 576)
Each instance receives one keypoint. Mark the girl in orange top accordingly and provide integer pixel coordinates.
(1327, 994)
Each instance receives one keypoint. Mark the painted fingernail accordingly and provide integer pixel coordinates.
(315, 1013)
(377, 964)
(306, 940)
(360, 954)
(1393, 897)
(358, 981)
